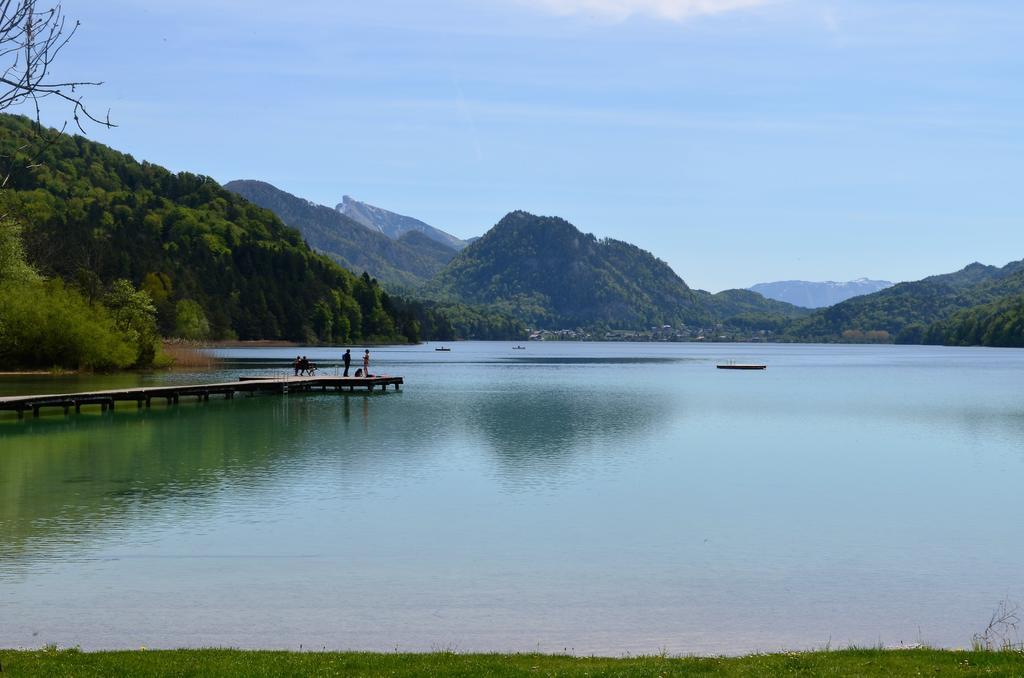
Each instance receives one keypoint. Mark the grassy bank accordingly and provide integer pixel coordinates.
(923, 662)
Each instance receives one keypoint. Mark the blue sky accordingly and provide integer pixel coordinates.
(741, 141)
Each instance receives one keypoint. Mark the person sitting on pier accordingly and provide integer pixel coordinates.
(310, 368)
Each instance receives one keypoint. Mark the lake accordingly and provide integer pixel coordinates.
(588, 498)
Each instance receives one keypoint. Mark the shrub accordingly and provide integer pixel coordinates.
(46, 324)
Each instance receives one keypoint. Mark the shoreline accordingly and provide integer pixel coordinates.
(312, 661)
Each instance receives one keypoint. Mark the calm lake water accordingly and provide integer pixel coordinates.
(594, 498)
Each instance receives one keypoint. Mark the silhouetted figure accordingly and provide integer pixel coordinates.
(303, 365)
(347, 359)
(297, 363)
(366, 363)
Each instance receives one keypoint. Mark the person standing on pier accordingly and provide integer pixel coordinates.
(366, 363)
(347, 359)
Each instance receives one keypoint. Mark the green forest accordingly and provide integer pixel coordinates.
(44, 322)
(999, 323)
(87, 227)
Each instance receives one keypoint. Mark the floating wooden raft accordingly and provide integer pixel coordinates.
(737, 366)
(172, 393)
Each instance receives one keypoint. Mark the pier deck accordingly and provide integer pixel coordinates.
(143, 396)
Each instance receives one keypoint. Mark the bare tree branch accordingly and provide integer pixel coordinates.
(30, 40)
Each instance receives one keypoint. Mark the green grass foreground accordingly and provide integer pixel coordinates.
(141, 663)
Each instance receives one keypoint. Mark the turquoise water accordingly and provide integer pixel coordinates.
(595, 498)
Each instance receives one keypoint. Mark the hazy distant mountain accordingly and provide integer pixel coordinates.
(905, 311)
(405, 262)
(549, 274)
(818, 294)
(394, 225)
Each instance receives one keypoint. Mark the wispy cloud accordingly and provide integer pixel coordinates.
(618, 10)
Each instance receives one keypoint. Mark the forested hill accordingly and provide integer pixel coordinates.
(92, 215)
(999, 323)
(399, 263)
(904, 312)
(546, 272)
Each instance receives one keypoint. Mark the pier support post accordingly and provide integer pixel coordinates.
(78, 407)
(66, 408)
(35, 411)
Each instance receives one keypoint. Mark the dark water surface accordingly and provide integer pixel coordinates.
(603, 498)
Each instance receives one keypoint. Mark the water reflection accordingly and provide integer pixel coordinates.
(547, 428)
(522, 496)
(66, 482)
(595, 360)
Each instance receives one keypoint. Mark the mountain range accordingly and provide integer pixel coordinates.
(394, 225)
(91, 216)
(546, 273)
(818, 294)
(401, 256)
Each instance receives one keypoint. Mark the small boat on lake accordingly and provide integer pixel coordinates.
(442, 348)
(518, 348)
(741, 366)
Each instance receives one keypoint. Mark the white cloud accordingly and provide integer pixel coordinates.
(674, 10)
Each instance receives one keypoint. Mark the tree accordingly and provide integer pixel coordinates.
(30, 39)
(14, 267)
(134, 315)
(190, 321)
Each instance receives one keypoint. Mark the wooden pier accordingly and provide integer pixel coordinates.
(171, 394)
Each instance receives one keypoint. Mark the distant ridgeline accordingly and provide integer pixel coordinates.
(548, 274)
(818, 294)
(394, 225)
(401, 258)
(976, 305)
(208, 258)
(97, 224)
